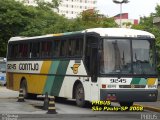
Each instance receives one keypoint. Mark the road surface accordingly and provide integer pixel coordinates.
(10, 109)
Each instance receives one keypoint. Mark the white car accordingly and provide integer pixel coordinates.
(3, 72)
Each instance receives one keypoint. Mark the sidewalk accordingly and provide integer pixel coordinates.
(152, 106)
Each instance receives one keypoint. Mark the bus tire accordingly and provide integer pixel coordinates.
(27, 95)
(79, 95)
(128, 104)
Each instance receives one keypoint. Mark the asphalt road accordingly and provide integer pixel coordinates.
(158, 92)
(10, 109)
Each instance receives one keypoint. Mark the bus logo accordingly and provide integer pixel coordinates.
(75, 68)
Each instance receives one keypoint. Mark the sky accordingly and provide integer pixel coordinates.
(135, 8)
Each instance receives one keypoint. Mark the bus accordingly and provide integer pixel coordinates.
(98, 64)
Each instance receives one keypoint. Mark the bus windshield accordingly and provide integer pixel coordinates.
(123, 56)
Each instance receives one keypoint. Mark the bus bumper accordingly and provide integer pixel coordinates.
(129, 95)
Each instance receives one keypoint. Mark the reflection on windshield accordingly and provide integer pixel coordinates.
(115, 57)
(142, 57)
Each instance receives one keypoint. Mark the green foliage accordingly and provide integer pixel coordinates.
(13, 19)
(91, 19)
(48, 5)
(127, 24)
(17, 19)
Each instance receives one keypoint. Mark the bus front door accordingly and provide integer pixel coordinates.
(94, 67)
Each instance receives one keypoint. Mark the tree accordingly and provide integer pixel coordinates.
(91, 19)
(13, 18)
(127, 24)
(16, 19)
(42, 20)
(48, 5)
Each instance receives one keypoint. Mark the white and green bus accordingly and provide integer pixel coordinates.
(115, 64)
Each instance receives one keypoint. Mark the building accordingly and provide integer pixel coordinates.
(156, 21)
(72, 8)
(125, 21)
(28, 2)
(69, 8)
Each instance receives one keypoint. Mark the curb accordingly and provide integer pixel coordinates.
(149, 108)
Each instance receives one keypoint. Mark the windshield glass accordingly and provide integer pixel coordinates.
(143, 57)
(2, 66)
(116, 57)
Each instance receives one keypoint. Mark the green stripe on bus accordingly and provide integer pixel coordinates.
(143, 81)
(135, 80)
(58, 80)
(50, 79)
(70, 33)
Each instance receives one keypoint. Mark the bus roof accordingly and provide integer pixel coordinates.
(104, 32)
(121, 32)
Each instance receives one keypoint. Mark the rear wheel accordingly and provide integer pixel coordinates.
(79, 95)
(128, 104)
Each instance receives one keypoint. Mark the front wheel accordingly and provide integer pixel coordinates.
(25, 91)
(23, 86)
(79, 95)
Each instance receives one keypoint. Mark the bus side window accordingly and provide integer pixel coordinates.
(69, 48)
(13, 51)
(63, 50)
(56, 48)
(46, 49)
(73, 47)
(23, 50)
(77, 47)
(35, 49)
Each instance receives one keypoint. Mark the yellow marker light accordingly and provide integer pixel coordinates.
(151, 81)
